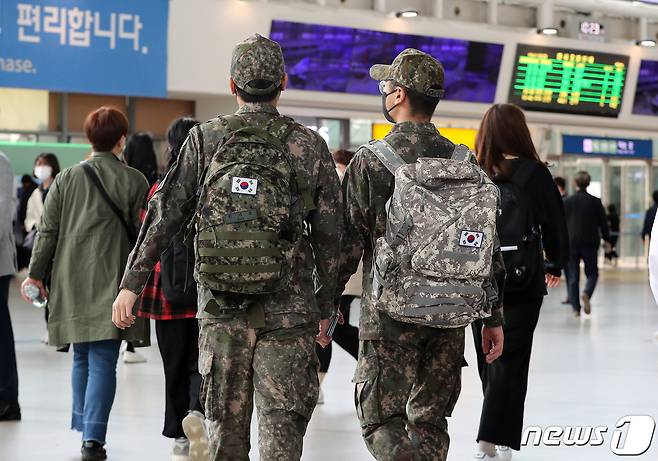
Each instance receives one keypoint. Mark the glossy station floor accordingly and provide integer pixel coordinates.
(584, 372)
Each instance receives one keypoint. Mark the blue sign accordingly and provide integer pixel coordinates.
(109, 47)
(607, 147)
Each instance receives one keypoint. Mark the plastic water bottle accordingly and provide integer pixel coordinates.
(34, 293)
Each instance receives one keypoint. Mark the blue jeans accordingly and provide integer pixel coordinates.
(94, 383)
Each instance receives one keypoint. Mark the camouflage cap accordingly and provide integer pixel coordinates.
(257, 58)
(415, 70)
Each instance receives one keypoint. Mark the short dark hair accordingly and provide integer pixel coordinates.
(104, 127)
(259, 84)
(140, 155)
(560, 182)
(343, 157)
(51, 160)
(583, 180)
(420, 104)
(655, 196)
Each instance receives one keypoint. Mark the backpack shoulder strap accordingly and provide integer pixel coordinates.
(461, 153)
(95, 180)
(386, 154)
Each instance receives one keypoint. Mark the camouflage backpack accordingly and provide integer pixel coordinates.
(250, 213)
(434, 265)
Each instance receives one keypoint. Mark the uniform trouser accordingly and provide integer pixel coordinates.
(178, 341)
(405, 390)
(505, 382)
(279, 366)
(589, 255)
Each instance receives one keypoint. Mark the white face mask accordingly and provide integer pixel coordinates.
(43, 172)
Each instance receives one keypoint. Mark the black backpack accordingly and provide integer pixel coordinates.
(177, 272)
(520, 239)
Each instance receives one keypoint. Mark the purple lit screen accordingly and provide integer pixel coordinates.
(646, 92)
(337, 59)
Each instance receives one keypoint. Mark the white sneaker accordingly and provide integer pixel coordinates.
(181, 450)
(133, 357)
(320, 397)
(483, 455)
(44, 338)
(504, 453)
(195, 430)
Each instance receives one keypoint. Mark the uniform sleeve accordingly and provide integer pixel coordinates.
(499, 274)
(326, 228)
(168, 211)
(47, 232)
(357, 216)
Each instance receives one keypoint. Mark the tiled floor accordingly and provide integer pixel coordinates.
(584, 372)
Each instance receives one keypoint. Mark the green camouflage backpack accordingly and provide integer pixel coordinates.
(250, 213)
(434, 265)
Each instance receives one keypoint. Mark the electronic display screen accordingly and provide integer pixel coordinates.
(337, 59)
(646, 92)
(568, 81)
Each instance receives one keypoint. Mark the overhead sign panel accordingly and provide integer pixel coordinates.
(86, 46)
(568, 81)
(607, 147)
(337, 59)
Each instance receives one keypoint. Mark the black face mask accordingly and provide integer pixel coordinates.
(385, 111)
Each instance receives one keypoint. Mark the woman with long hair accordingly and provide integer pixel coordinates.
(506, 152)
(139, 153)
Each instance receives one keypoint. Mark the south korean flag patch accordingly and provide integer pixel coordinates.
(471, 239)
(246, 186)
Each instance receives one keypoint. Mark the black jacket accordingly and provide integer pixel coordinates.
(586, 220)
(548, 212)
(649, 217)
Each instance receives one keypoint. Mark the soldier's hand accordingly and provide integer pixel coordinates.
(122, 309)
(322, 339)
(492, 343)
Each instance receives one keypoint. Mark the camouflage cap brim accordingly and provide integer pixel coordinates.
(381, 72)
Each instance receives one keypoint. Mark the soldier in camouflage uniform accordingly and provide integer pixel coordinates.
(408, 376)
(262, 344)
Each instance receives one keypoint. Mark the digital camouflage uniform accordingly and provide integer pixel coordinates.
(262, 344)
(408, 377)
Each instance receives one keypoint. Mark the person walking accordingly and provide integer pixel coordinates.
(89, 219)
(345, 335)
(266, 221)
(613, 224)
(408, 375)
(46, 169)
(533, 234)
(587, 224)
(10, 410)
(177, 331)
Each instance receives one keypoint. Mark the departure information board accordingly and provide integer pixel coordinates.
(568, 81)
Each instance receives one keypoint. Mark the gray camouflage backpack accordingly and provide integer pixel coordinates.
(250, 212)
(434, 265)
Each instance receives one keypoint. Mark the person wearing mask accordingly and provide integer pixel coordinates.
(46, 169)
(506, 152)
(561, 185)
(10, 410)
(408, 375)
(177, 330)
(345, 335)
(139, 154)
(613, 224)
(90, 217)
(587, 224)
(650, 217)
